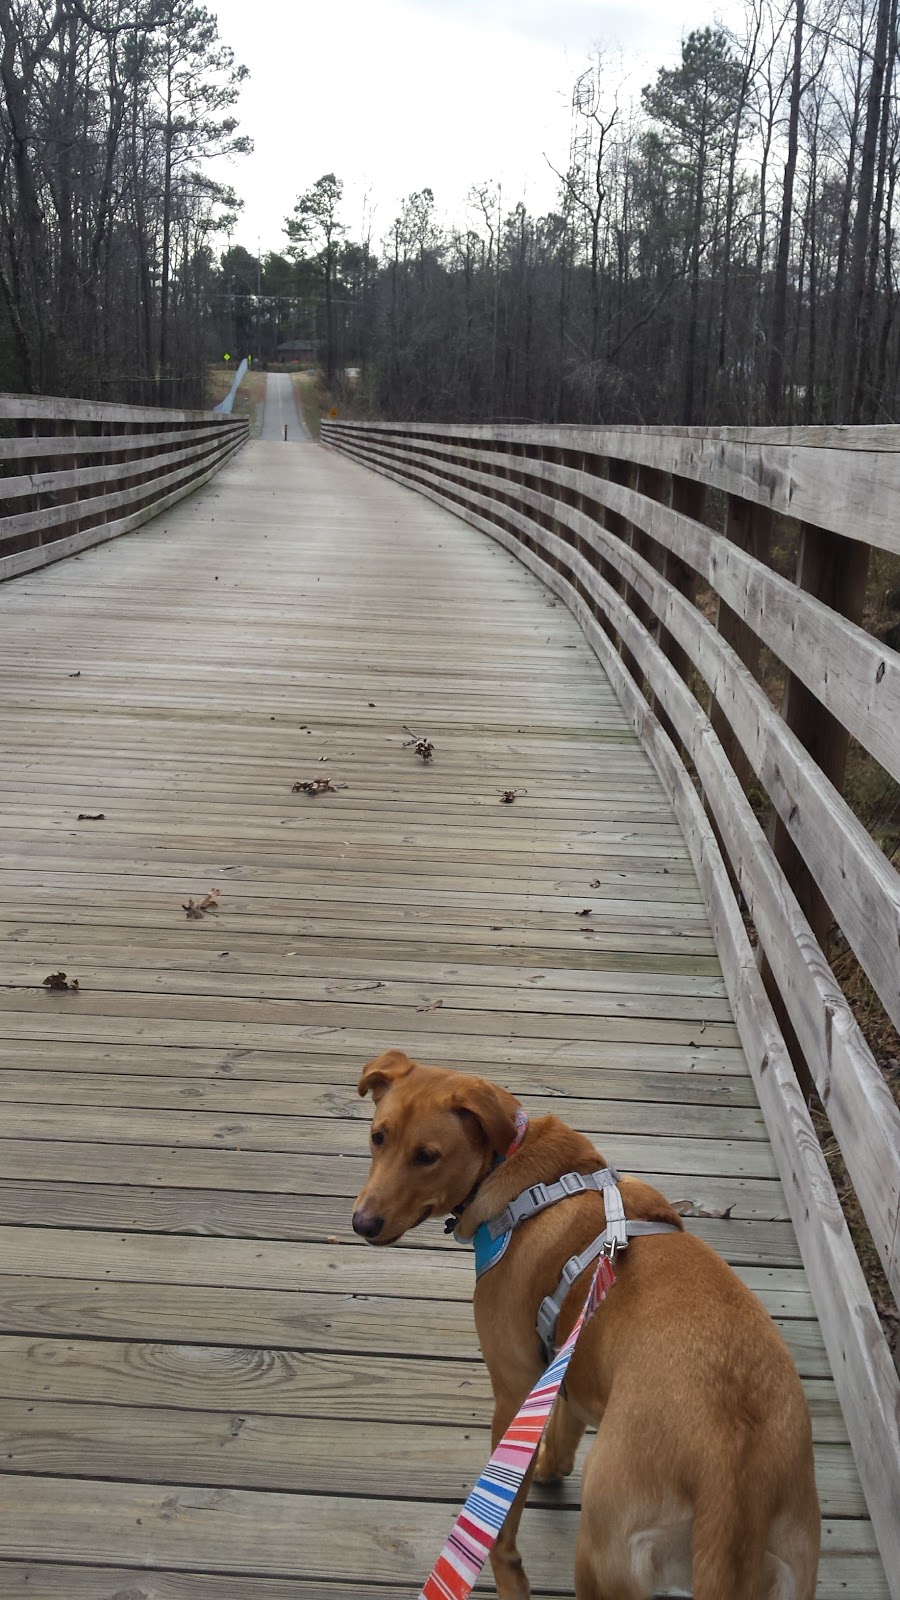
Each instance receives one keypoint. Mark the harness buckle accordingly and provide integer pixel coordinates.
(538, 1196)
(573, 1183)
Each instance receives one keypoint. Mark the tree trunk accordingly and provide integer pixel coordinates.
(778, 325)
(864, 406)
(862, 221)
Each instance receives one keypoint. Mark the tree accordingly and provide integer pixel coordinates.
(316, 230)
(695, 104)
(107, 110)
(198, 82)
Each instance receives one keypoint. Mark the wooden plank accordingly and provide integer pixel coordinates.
(258, 1263)
(94, 444)
(163, 1270)
(335, 1337)
(370, 959)
(672, 1118)
(241, 1531)
(12, 566)
(52, 516)
(754, 1240)
(42, 1580)
(355, 1044)
(856, 880)
(818, 478)
(54, 407)
(849, 1571)
(831, 1040)
(398, 994)
(144, 1170)
(870, 1389)
(140, 1375)
(247, 1022)
(636, 1143)
(812, 637)
(258, 1450)
(58, 481)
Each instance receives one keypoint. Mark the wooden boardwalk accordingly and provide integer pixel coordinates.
(209, 1390)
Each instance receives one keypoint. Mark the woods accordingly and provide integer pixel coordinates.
(722, 248)
(111, 117)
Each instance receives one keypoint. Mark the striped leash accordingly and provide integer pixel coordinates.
(478, 1525)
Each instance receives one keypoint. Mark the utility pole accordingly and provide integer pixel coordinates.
(258, 290)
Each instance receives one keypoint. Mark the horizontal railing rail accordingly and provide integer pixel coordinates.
(74, 473)
(661, 542)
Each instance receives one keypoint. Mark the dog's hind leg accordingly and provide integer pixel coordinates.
(603, 1570)
(629, 1547)
(562, 1436)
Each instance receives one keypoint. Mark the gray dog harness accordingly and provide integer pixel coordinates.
(492, 1238)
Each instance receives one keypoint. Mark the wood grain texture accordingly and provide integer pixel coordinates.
(136, 475)
(181, 1138)
(865, 891)
(867, 1380)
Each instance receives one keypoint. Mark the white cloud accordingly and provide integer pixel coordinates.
(396, 95)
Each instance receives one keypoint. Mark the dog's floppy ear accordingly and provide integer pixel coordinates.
(380, 1073)
(491, 1108)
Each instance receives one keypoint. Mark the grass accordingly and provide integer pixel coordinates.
(311, 399)
(250, 398)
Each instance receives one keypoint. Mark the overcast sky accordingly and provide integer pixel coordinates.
(397, 95)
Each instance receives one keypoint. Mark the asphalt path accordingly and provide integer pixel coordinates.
(281, 411)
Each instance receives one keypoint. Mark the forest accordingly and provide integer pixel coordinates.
(114, 116)
(722, 248)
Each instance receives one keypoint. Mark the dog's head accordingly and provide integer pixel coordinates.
(434, 1136)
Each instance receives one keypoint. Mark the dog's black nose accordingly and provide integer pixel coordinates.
(367, 1225)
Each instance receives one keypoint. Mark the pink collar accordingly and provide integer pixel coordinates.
(521, 1130)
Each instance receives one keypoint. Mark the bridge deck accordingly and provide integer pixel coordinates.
(204, 1377)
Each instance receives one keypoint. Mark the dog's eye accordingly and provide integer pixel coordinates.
(378, 1138)
(425, 1158)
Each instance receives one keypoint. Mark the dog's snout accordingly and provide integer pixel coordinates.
(366, 1224)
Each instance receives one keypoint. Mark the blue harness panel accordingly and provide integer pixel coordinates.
(487, 1250)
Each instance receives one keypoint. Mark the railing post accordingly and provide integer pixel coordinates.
(835, 570)
(749, 526)
(689, 499)
(623, 473)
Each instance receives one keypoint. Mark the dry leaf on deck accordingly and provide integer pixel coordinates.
(58, 980)
(423, 747)
(434, 1006)
(693, 1208)
(587, 912)
(197, 908)
(317, 786)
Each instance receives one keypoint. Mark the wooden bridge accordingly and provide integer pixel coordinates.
(209, 1390)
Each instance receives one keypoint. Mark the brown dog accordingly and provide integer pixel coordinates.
(701, 1475)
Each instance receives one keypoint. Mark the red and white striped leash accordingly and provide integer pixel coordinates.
(478, 1525)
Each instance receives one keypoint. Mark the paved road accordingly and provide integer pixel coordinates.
(281, 409)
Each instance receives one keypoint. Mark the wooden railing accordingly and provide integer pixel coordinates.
(632, 527)
(75, 472)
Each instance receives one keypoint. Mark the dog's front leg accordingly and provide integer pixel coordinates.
(509, 1573)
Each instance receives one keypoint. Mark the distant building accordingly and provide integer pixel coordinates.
(300, 350)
